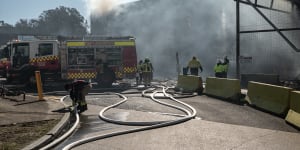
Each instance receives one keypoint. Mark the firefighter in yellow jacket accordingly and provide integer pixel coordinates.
(219, 69)
(194, 65)
(147, 72)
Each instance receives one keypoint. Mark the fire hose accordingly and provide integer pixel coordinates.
(148, 125)
(68, 133)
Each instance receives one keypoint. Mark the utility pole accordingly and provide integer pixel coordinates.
(237, 39)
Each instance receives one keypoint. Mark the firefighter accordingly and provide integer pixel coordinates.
(225, 67)
(219, 69)
(147, 72)
(139, 73)
(78, 90)
(194, 65)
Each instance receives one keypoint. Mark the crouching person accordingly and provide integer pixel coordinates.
(78, 90)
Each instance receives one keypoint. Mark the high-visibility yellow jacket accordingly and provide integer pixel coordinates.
(225, 64)
(139, 68)
(218, 68)
(147, 67)
(194, 64)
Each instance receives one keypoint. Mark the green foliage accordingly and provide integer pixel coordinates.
(5, 28)
(59, 21)
(62, 21)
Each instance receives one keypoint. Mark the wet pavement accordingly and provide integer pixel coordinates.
(14, 110)
(219, 124)
(224, 125)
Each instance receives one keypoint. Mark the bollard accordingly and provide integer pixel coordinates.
(39, 84)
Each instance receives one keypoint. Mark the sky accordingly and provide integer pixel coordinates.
(30, 9)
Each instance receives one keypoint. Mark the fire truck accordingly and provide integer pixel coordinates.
(101, 59)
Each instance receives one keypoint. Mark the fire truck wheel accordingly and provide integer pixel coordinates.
(106, 79)
(32, 82)
(32, 79)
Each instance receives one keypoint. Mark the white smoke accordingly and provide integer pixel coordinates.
(100, 7)
(103, 7)
(201, 28)
(164, 27)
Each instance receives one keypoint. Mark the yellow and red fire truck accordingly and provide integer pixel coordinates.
(101, 59)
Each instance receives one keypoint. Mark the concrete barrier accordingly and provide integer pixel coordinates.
(190, 83)
(269, 97)
(223, 88)
(293, 115)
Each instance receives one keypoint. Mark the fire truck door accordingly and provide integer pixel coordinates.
(20, 54)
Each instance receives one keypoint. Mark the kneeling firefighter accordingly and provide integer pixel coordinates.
(78, 90)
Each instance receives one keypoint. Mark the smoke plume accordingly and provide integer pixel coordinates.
(201, 28)
(100, 7)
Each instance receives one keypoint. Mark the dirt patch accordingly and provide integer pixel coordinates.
(17, 136)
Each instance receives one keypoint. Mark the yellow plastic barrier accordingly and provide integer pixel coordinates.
(269, 97)
(293, 115)
(223, 88)
(190, 83)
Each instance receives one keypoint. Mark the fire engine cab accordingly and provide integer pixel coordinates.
(103, 60)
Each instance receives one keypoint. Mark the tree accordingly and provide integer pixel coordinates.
(59, 21)
(5, 28)
(62, 21)
(23, 27)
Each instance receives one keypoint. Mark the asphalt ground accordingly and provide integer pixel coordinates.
(223, 125)
(208, 108)
(14, 109)
(30, 122)
(223, 111)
